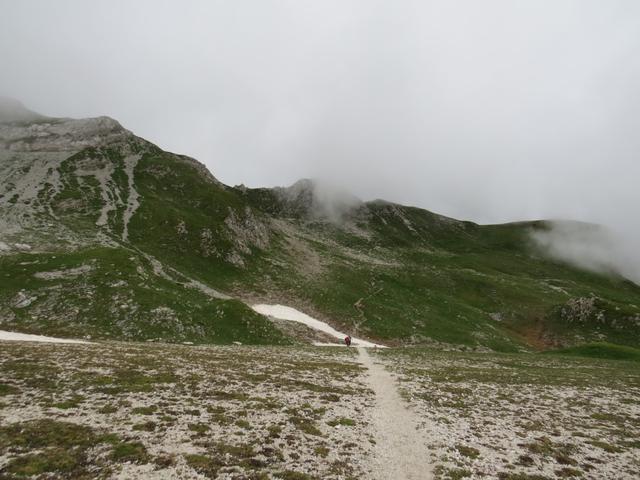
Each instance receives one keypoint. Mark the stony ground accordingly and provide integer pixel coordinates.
(151, 411)
(523, 417)
(122, 411)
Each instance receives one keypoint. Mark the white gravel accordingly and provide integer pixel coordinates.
(401, 449)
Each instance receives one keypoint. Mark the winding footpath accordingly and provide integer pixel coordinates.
(401, 452)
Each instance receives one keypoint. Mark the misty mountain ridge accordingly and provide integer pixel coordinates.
(12, 110)
(105, 234)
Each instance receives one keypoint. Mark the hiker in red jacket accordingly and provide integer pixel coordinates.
(347, 340)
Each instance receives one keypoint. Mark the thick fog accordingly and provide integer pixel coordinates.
(490, 111)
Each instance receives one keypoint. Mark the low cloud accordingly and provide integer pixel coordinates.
(490, 111)
(589, 246)
(333, 202)
(321, 199)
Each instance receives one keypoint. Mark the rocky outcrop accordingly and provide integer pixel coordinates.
(582, 310)
(246, 231)
(61, 134)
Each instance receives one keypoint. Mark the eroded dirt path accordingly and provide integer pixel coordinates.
(401, 451)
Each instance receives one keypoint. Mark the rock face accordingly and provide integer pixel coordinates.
(102, 233)
(42, 157)
(246, 232)
(34, 160)
(61, 135)
(582, 309)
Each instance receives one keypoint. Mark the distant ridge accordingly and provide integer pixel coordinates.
(104, 234)
(11, 110)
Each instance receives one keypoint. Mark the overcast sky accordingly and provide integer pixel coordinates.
(482, 110)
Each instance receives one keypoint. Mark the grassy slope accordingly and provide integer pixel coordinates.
(417, 276)
(601, 350)
(453, 282)
(451, 277)
(121, 297)
(176, 194)
(456, 289)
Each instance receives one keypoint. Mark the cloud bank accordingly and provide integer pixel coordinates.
(489, 111)
(590, 247)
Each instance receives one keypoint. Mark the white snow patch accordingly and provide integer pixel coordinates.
(288, 313)
(25, 337)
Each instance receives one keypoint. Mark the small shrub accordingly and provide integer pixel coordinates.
(347, 422)
(108, 409)
(199, 428)
(469, 452)
(150, 410)
(129, 452)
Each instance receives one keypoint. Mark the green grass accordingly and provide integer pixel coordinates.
(198, 428)
(132, 380)
(607, 447)
(601, 350)
(134, 452)
(292, 475)
(149, 410)
(461, 284)
(55, 460)
(467, 451)
(454, 275)
(521, 476)
(115, 300)
(8, 389)
(203, 464)
(61, 448)
(306, 425)
(346, 422)
(517, 369)
(73, 402)
(145, 427)
(46, 433)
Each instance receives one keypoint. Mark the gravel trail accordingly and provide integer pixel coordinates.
(401, 451)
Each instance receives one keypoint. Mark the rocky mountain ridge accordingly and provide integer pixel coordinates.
(104, 234)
